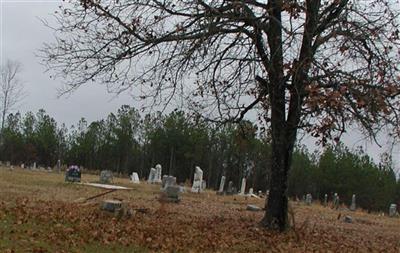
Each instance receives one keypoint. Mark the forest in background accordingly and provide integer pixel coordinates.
(126, 141)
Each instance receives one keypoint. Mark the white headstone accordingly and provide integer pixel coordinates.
(222, 184)
(34, 165)
(135, 178)
(197, 180)
(243, 187)
(308, 199)
(152, 176)
(158, 174)
(250, 191)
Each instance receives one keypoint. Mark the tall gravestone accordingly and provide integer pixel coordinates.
(336, 201)
(243, 187)
(158, 174)
(353, 203)
(58, 165)
(152, 176)
(222, 184)
(197, 180)
(229, 191)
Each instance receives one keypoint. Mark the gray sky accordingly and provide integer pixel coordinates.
(22, 34)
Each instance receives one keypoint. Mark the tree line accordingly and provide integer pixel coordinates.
(126, 141)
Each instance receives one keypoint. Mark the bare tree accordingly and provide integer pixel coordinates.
(316, 65)
(11, 88)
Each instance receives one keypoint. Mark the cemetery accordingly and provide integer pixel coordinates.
(157, 214)
(240, 126)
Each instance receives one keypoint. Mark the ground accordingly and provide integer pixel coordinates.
(41, 213)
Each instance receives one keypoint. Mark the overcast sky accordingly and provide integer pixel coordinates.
(22, 34)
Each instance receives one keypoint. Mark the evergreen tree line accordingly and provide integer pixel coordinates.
(126, 141)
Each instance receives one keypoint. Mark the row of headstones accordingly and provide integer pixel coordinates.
(336, 201)
(33, 167)
(232, 190)
(198, 185)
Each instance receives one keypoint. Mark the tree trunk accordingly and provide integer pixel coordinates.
(276, 215)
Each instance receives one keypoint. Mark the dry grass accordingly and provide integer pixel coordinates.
(39, 213)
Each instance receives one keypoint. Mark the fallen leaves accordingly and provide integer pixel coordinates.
(197, 224)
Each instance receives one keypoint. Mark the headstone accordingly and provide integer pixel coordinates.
(197, 180)
(8, 164)
(203, 185)
(326, 200)
(234, 190)
(251, 191)
(163, 180)
(243, 187)
(222, 184)
(22, 166)
(135, 178)
(348, 219)
(111, 205)
(308, 199)
(168, 181)
(58, 165)
(353, 203)
(106, 177)
(158, 174)
(172, 193)
(34, 165)
(229, 191)
(73, 174)
(392, 210)
(336, 201)
(152, 176)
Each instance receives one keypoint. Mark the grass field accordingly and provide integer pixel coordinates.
(41, 213)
